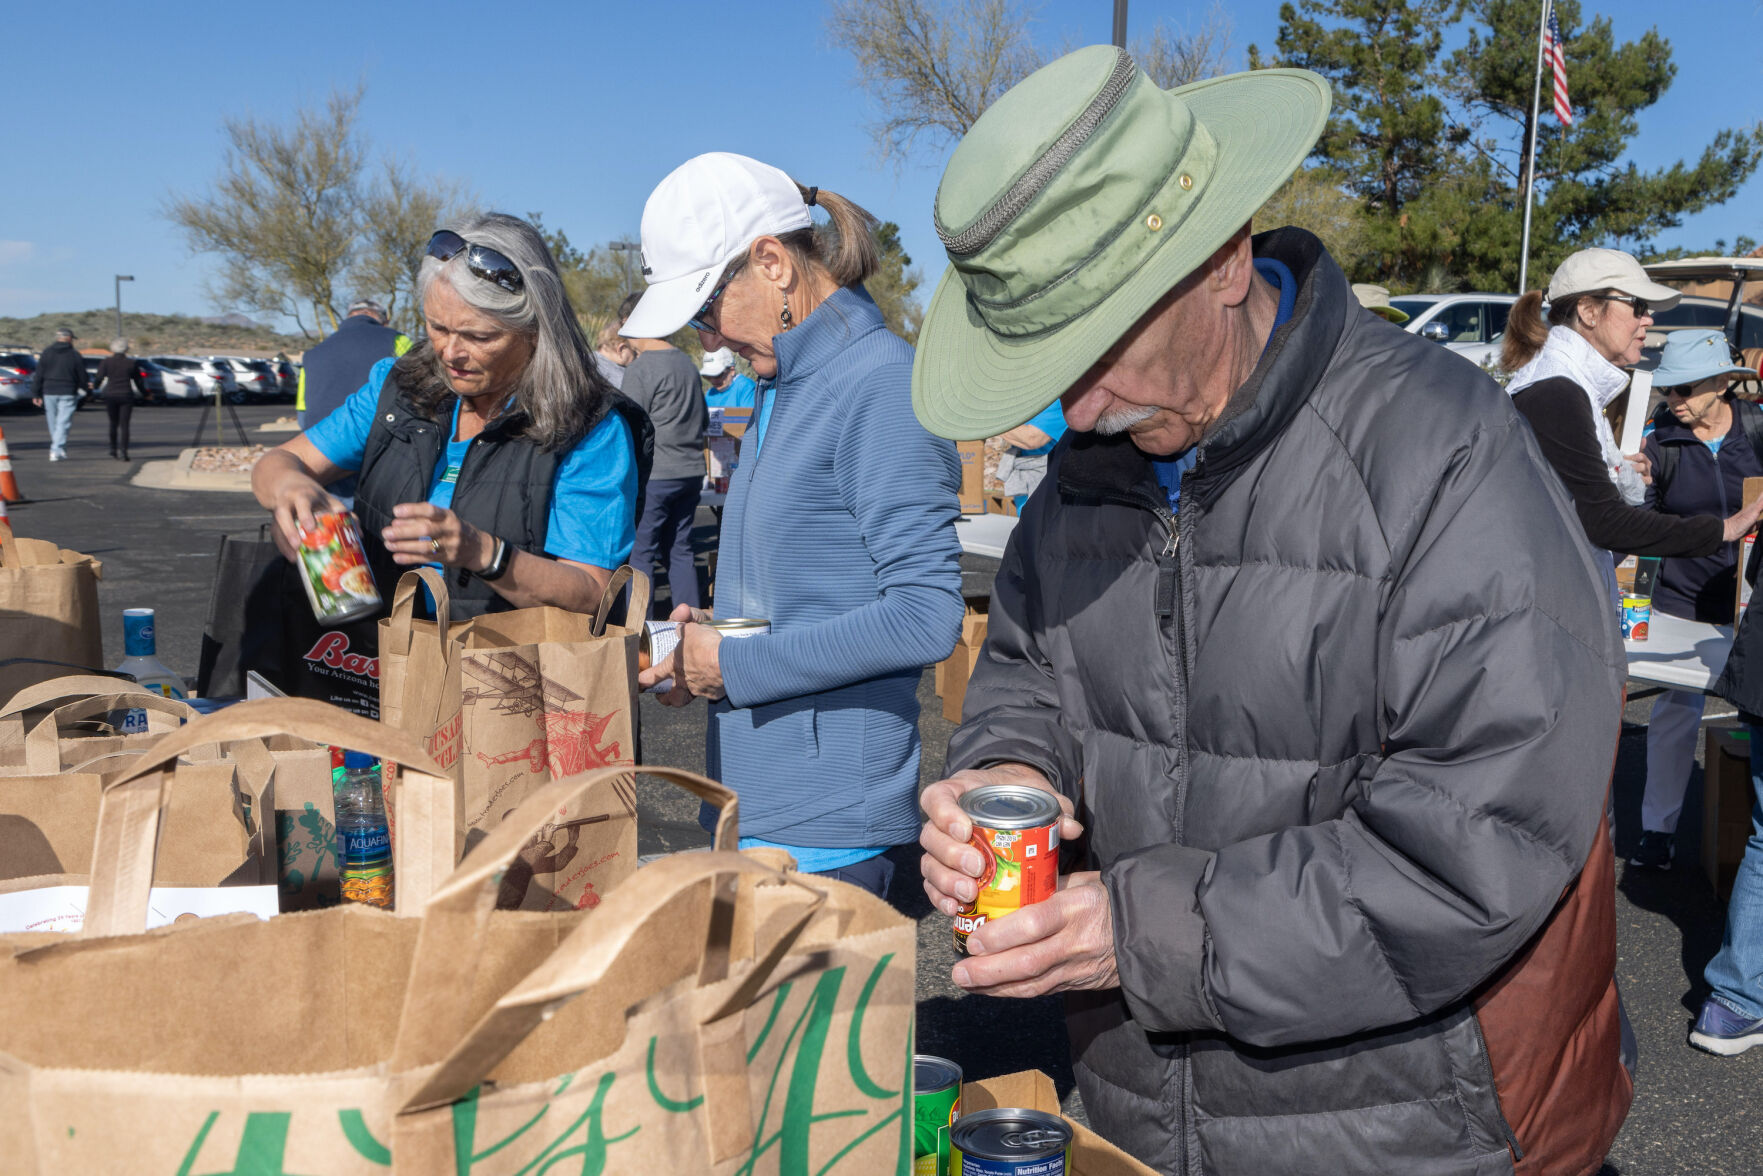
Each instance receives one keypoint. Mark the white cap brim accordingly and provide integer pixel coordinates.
(669, 305)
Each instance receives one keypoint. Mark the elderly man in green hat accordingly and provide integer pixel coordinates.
(1306, 638)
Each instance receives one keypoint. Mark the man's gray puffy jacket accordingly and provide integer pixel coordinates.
(1341, 736)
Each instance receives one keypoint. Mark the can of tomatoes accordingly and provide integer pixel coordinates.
(335, 570)
(1016, 830)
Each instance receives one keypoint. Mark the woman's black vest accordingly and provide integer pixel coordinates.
(504, 488)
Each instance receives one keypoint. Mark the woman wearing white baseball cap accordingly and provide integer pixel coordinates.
(1565, 372)
(840, 523)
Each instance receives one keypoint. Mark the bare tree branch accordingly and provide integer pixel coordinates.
(933, 68)
(1174, 58)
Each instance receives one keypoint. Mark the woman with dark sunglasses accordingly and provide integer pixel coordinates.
(839, 528)
(493, 449)
(1566, 371)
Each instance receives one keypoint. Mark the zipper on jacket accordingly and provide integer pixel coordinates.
(1487, 1061)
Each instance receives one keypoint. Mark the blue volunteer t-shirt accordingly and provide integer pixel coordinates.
(739, 394)
(593, 497)
(1169, 470)
(1051, 421)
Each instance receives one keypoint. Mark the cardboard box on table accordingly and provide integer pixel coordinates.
(708, 1006)
(1753, 489)
(1726, 806)
(953, 672)
(973, 476)
(1001, 504)
(1091, 1155)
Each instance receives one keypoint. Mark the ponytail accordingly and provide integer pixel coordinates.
(1525, 331)
(845, 247)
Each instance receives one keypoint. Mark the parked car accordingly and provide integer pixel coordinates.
(288, 376)
(212, 376)
(1469, 324)
(256, 379)
(171, 385)
(1742, 321)
(16, 370)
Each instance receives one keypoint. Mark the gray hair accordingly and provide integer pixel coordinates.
(368, 306)
(118, 346)
(561, 391)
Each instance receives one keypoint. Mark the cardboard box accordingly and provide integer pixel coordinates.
(973, 475)
(1753, 488)
(1726, 806)
(735, 421)
(953, 672)
(1001, 504)
(1091, 1155)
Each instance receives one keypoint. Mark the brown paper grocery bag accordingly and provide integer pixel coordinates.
(547, 693)
(76, 731)
(419, 668)
(48, 610)
(290, 1045)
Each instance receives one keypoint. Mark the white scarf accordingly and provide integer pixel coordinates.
(1567, 353)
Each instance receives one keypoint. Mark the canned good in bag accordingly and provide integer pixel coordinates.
(1011, 1141)
(333, 564)
(936, 1104)
(1016, 830)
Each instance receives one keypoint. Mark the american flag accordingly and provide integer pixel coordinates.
(1557, 69)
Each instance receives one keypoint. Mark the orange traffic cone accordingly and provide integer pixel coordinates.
(8, 483)
(5, 522)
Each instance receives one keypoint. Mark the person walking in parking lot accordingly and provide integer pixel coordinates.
(119, 378)
(663, 381)
(56, 388)
(338, 366)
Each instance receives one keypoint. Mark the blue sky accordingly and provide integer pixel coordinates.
(572, 109)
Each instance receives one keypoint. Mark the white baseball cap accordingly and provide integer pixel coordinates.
(717, 362)
(705, 214)
(1609, 269)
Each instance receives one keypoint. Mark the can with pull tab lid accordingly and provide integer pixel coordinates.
(1010, 1141)
(1016, 830)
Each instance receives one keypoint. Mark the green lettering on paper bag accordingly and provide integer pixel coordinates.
(262, 1146)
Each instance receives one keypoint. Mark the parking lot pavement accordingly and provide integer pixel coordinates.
(1692, 1113)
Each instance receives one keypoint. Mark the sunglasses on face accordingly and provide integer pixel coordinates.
(702, 321)
(483, 262)
(1639, 306)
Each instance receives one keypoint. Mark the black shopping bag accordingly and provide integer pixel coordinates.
(244, 629)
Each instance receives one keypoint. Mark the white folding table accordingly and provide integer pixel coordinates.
(985, 534)
(1679, 654)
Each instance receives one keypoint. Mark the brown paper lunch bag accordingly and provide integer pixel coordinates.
(546, 693)
(319, 1042)
(48, 610)
(419, 668)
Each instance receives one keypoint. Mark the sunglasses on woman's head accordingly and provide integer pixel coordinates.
(481, 260)
(1640, 306)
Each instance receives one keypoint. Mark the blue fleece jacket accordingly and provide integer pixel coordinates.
(840, 531)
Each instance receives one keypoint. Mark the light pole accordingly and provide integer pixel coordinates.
(120, 279)
(1120, 24)
(624, 263)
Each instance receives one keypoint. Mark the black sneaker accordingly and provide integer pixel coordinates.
(1654, 852)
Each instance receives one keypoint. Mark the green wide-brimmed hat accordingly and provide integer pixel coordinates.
(1075, 203)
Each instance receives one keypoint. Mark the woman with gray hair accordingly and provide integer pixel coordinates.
(493, 449)
(119, 378)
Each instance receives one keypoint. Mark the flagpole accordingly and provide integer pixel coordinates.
(1530, 170)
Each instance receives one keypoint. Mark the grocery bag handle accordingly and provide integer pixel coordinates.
(638, 611)
(427, 804)
(404, 608)
(42, 744)
(66, 688)
(16, 552)
(581, 963)
(456, 918)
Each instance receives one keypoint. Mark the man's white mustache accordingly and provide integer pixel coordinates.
(1119, 420)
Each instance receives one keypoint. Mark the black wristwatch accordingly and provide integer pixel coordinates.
(498, 562)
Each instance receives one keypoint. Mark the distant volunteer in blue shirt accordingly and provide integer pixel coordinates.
(840, 523)
(728, 387)
(493, 449)
(1024, 462)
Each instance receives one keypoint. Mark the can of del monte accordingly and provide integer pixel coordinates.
(1016, 830)
(334, 569)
